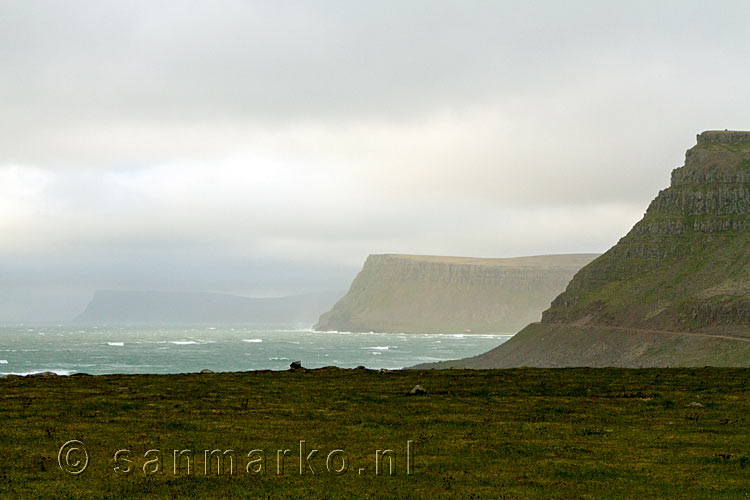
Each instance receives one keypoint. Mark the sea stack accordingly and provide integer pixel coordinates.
(675, 291)
(432, 294)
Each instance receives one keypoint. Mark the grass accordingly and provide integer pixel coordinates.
(630, 288)
(527, 433)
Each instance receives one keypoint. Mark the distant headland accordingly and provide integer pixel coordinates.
(436, 294)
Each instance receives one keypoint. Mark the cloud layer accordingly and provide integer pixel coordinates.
(267, 148)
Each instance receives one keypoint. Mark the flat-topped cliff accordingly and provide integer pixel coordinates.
(675, 291)
(155, 307)
(426, 294)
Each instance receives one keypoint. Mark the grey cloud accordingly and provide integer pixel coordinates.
(272, 145)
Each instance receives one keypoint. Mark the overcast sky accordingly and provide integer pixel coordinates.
(266, 148)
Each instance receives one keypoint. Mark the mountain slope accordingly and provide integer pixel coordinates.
(425, 294)
(675, 291)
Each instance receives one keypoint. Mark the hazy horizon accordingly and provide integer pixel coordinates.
(265, 149)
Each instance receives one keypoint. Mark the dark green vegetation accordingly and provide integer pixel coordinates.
(528, 433)
(433, 294)
(684, 268)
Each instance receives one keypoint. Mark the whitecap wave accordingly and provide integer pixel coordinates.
(54, 370)
(3, 361)
(252, 341)
(183, 342)
(431, 358)
(116, 344)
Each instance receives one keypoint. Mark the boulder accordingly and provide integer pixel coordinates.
(418, 390)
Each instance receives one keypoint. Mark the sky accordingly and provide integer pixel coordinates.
(266, 148)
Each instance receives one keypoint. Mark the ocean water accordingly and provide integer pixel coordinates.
(101, 350)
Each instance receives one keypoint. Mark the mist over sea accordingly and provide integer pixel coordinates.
(141, 349)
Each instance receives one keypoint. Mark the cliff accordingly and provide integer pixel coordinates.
(136, 307)
(675, 291)
(423, 294)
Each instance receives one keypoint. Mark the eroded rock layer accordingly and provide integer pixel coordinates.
(430, 294)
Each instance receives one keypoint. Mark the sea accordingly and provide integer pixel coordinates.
(96, 350)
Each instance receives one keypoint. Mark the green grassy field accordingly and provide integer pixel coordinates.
(527, 433)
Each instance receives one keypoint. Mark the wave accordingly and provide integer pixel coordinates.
(296, 330)
(170, 351)
(3, 361)
(53, 370)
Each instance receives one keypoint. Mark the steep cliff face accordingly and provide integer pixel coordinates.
(421, 294)
(685, 265)
(674, 291)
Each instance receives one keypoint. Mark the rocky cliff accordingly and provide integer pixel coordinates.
(421, 294)
(675, 291)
